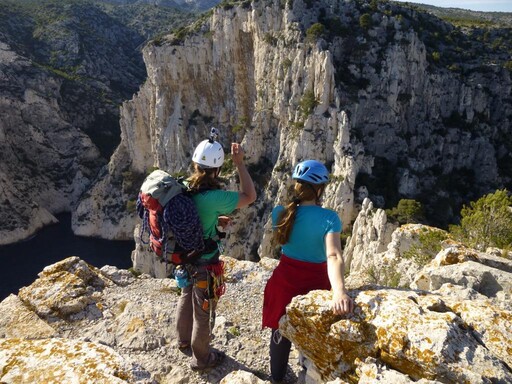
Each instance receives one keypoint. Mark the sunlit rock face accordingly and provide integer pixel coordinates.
(421, 335)
(65, 361)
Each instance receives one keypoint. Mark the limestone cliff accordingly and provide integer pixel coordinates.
(294, 80)
(46, 162)
(65, 67)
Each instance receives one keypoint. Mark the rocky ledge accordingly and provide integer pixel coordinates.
(77, 323)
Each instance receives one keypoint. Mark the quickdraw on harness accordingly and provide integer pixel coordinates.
(216, 287)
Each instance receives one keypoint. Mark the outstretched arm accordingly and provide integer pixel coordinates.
(247, 193)
(341, 302)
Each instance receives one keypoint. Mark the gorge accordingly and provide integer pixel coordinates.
(380, 103)
(397, 102)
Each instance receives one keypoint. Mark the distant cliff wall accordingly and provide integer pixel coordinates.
(45, 162)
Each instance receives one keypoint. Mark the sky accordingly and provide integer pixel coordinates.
(475, 5)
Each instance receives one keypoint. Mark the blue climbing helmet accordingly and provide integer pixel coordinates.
(311, 171)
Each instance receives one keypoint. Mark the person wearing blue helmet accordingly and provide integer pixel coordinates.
(311, 257)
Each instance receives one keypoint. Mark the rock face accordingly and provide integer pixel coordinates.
(39, 361)
(64, 70)
(110, 325)
(46, 163)
(419, 334)
(387, 119)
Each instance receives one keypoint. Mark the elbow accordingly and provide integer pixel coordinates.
(252, 196)
(335, 256)
(246, 199)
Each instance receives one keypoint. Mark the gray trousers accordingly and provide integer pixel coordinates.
(193, 318)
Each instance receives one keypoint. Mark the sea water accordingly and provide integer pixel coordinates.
(21, 262)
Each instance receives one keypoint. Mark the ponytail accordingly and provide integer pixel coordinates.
(303, 192)
(285, 222)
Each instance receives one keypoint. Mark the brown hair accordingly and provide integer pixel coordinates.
(204, 179)
(303, 192)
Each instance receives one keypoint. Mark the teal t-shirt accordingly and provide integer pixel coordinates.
(307, 239)
(210, 205)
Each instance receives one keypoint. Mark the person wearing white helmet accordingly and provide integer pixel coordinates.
(197, 303)
(311, 257)
(208, 154)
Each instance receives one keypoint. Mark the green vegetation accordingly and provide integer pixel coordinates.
(64, 74)
(270, 39)
(428, 247)
(287, 63)
(282, 167)
(308, 103)
(336, 178)
(179, 174)
(228, 167)
(241, 126)
(134, 272)
(131, 206)
(386, 275)
(314, 32)
(407, 211)
(365, 21)
(486, 222)
(234, 330)
(344, 236)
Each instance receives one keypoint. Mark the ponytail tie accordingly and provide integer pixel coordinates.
(296, 201)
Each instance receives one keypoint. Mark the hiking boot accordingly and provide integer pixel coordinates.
(214, 360)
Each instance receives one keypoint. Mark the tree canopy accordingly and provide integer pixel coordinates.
(487, 222)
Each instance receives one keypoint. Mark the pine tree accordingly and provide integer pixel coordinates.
(487, 222)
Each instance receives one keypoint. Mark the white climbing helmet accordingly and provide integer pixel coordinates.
(209, 153)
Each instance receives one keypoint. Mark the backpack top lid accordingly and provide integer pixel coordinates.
(162, 186)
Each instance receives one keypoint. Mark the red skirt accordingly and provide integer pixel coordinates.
(291, 278)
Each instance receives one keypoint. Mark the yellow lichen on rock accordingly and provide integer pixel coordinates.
(60, 361)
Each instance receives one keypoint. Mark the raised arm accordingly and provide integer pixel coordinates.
(341, 303)
(247, 193)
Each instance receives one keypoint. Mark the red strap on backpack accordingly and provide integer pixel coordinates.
(155, 229)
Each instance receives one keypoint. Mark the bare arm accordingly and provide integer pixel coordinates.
(341, 303)
(247, 193)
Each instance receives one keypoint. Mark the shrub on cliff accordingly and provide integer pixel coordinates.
(365, 21)
(428, 246)
(406, 212)
(314, 32)
(486, 222)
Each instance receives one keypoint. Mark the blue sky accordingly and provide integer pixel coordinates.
(475, 5)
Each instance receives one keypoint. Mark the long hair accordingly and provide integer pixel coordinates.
(303, 192)
(204, 179)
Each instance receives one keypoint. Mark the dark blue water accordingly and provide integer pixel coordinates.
(21, 262)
